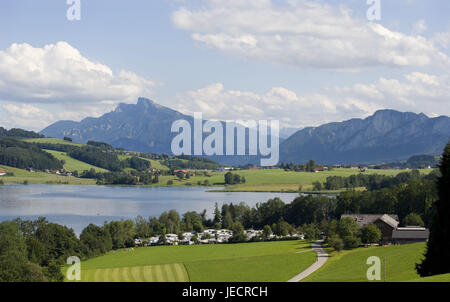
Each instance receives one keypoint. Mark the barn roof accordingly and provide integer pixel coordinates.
(365, 219)
(410, 233)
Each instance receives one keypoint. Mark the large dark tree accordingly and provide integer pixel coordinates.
(437, 260)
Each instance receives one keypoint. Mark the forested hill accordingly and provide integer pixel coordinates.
(16, 132)
(18, 154)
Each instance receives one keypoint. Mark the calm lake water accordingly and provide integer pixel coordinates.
(77, 206)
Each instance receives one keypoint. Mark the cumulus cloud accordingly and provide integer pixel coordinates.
(58, 73)
(419, 27)
(416, 92)
(25, 115)
(304, 33)
(278, 103)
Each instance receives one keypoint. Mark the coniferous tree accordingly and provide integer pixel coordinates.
(437, 260)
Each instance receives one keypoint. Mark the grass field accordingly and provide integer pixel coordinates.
(174, 272)
(273, 180)
(154, 163)
(436, 278)
(261, 261)
(264, 180)
(278, 180)
(72, 164)
(20, 176)
(51, 141)
(350, 266)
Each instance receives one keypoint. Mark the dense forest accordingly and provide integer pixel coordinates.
(190, 162)
(23, 155)
(374, 181)
(15, 132)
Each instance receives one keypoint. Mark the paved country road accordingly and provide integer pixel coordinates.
(322, 257)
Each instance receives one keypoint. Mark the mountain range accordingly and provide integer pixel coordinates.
(386, 136)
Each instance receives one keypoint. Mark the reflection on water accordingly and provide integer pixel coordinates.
(77, 206)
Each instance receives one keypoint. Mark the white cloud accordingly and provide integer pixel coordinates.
(442, 39)
(304, 33)
(279, 103)
(25, 115)
(58, 73)
(416, 92)
(419, 27)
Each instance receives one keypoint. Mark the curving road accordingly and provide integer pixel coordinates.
(322, 257)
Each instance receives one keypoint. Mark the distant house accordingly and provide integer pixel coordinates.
(410, 234)
(387, 223)
(2, 172)
(224, 168)
(180, 171)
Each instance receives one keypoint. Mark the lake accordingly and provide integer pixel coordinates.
(78, 206)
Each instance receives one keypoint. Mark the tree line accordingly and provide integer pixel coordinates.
(373, 181)
(310, 166)
(18, 154)
(19, 133)
(190, 162)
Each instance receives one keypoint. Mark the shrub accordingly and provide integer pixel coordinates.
(413, 219)
(336, 243)
(351, 242)
(370, 234)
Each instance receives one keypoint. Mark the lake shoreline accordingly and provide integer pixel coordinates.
(329, 192)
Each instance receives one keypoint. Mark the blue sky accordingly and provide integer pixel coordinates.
(302, 62)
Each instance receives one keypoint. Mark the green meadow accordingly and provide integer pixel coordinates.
(350, 266)
(263, 180)
(174, 272)
(259, 261)
(49, 140)
(278, 180)
(21, 176)
(72, 164)
(154, 163)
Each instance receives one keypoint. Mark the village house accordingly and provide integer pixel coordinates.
(385, 222)
(2, 172)
(390, 231)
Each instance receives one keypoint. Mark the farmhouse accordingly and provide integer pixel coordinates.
(2, 172)
(387, 223)
(410, 234)
(390, 232)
